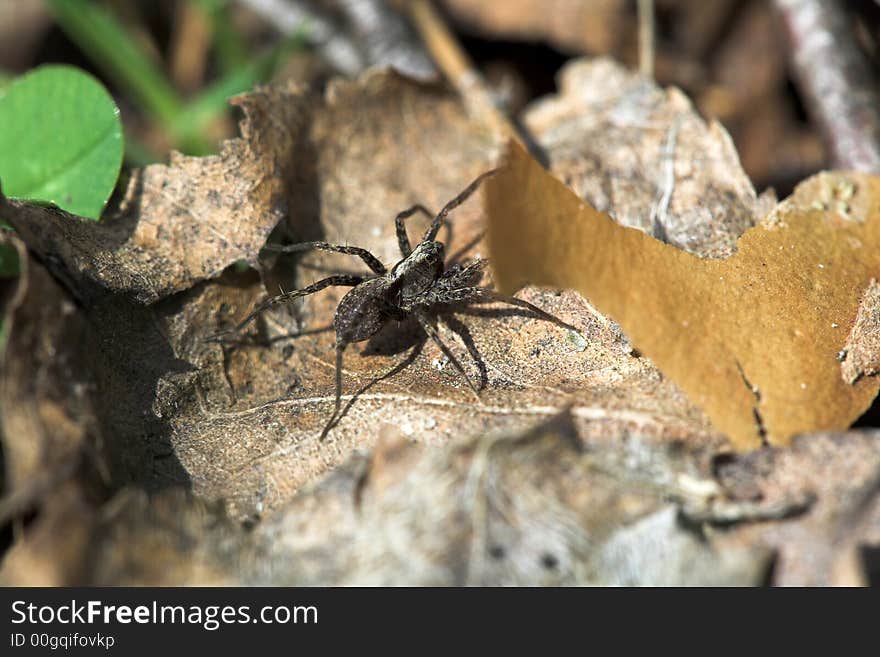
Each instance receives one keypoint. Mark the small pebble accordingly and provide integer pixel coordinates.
(578, 340)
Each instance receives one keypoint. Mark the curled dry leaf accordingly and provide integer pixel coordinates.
(524, 508)
(181, 223)
(836, 542)
(753, 339)
(645, 156)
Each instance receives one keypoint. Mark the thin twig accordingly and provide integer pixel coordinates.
(836, 80)
(352, 35)
(386, 37)
(458, 69)
(190, 42)
(659, 209)
(290, 17)
(646, 37)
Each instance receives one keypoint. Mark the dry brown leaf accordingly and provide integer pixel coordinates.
(181, 223)
(645, 156)
(594, 26)
(860, 355)
(752, 339)
(829, 545)
(530, 507)
(167, 539)
(48, 422)
(524, 508)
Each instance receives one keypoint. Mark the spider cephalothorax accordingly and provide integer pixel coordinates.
(415, 287)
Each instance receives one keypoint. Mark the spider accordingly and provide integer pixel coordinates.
(417, 286)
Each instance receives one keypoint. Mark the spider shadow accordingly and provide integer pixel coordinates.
(462, 331)
(396, 337)
(261, 339)
(415, 351)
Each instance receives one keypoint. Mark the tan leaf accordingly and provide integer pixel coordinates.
(752, 339)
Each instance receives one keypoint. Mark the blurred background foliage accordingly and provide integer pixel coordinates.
(171, 65)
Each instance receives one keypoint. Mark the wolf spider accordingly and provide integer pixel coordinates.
(415, 287)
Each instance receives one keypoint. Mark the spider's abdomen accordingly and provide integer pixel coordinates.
(363, 310)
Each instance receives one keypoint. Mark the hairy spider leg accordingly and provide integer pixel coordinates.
(428, 327)
(431, 233)
(372, 261)
(342, 280)
(399, 226)
(461, 275)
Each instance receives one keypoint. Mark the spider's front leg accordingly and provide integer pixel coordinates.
(369, 259)
(434, 228)
(400, 227)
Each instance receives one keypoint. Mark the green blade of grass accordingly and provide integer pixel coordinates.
(214, 99)
(97, 32)
(230, 46)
